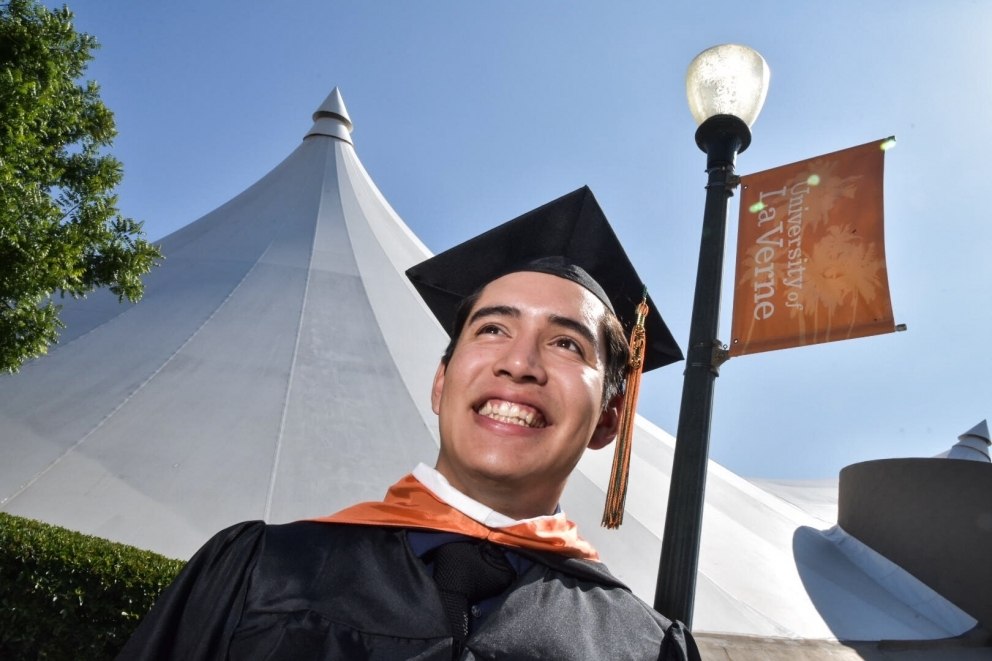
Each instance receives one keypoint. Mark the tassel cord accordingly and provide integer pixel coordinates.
(616, 493)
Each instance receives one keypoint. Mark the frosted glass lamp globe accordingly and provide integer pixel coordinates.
(727, 80)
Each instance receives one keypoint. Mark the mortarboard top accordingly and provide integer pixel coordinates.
(568, 237)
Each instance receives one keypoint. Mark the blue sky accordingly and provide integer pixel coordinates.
(469, 113)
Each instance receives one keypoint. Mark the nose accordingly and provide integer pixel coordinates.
(521, 361)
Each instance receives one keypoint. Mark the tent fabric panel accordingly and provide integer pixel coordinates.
(203, 430)
(384, 248)
(350, 424)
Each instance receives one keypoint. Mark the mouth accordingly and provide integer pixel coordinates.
(512, 413)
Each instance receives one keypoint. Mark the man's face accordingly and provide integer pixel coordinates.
(521, 397)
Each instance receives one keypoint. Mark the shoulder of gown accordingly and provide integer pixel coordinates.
(195, 616)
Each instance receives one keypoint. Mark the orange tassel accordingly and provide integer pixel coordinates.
(616, 492)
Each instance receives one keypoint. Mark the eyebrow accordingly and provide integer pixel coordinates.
(558, 320)
(577, 327)
(493, 311)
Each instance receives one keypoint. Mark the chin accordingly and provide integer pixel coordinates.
(496, 470)
(507, 470)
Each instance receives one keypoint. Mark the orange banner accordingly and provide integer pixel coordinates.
(811, 253)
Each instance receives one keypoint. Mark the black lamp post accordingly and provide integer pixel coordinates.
(726, 86)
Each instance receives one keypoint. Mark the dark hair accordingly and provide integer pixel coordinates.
(617, 351)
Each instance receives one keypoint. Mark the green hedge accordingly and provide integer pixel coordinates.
(65, 595)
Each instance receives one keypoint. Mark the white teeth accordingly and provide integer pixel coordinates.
(510, 413)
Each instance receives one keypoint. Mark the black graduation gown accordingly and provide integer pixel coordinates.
(311, 590)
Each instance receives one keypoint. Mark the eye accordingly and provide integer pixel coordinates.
(569, 344)
(489, 329)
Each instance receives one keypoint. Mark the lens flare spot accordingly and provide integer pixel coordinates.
(813, 180)
(756, 207)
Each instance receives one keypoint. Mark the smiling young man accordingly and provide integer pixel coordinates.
(472, 559)
(522, 394)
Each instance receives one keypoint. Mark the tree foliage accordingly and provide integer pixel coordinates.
(60, 230)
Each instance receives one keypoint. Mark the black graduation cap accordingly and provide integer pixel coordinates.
(570, 238)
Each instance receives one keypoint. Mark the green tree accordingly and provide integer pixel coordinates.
(60, 229)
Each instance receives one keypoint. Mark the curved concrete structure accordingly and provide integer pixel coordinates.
(932, 517)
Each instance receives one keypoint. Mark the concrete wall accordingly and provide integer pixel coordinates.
(933, 517)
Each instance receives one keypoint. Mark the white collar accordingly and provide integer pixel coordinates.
(438, 485)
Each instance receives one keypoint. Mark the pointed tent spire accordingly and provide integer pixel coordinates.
(973, 444)
(332, 119)
(981, 430)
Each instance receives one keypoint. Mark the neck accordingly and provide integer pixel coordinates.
(513, 504)
(507, 497)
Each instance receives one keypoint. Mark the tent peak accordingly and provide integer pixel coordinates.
(973, 444)
(331, 118)
(980, 431)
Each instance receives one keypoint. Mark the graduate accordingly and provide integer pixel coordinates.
(471, 559)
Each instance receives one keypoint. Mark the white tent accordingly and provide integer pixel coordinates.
(279, 367)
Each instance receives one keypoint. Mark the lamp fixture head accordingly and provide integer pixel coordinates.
(727, 80)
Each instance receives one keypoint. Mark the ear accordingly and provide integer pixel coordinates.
(437, 388)
(608, 425)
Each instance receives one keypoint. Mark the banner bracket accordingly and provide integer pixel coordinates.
(720, 355)
(729, 184)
